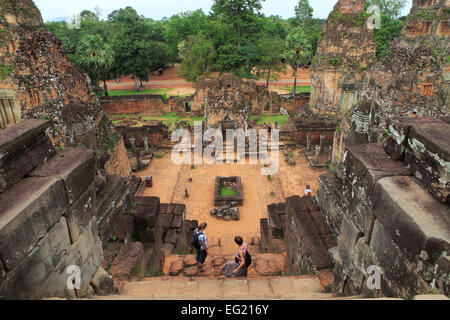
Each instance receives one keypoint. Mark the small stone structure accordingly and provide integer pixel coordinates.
(220, 200)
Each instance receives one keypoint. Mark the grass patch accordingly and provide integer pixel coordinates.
(299, 89)
(159, 155)
(162, 92)
(260, 120)
(272, 194)
(168, 119)
(225, 192)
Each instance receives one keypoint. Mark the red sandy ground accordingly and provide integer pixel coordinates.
(170, 80)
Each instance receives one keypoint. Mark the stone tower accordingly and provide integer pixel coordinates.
(344, 55)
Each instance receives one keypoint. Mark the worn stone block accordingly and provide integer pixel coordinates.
(399, 277)
(413, 218)
(180, 209)
(365, 165)
(265, 245)
(81, 213)
(102, 282)
(76, 167)
(126, 263)
(331, 200)
(153, 261)
(110, 252)
(177, 222)
(25, 280)
(27, 211)
(275, 223)
(171, 237)
(303, 239)
(23, 147)
(166, 220)
(125, 228)
(164, 208)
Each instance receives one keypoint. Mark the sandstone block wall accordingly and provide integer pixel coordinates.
(308, 238)
(389, 218)
(47, 219)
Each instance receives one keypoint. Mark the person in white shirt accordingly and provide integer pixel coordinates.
(308, 191)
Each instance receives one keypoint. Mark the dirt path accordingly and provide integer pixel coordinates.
(170, 80)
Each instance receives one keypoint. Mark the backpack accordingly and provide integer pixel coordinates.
(194, 242)
(248, 259)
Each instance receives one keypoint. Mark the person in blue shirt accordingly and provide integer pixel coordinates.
(202, 250)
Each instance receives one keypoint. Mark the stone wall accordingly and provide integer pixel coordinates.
(47, 215)
(308, 237)
(303, 128)
(387, 217)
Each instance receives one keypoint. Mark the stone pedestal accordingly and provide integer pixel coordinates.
(149, 182)
(316, 156)
(146, 147)
(308, 142)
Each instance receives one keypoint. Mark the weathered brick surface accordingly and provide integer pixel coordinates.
(27, 211)
(23, 147)
(76, 167)
(275, 222)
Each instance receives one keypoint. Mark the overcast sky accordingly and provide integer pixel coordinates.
(157, 9)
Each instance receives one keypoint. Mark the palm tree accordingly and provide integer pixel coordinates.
(95, 57)
(298, 51)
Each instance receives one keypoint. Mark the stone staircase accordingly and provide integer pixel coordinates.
(182, 288)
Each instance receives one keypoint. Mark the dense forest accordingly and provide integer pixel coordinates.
(234, 37)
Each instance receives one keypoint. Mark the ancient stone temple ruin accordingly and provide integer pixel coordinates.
(371, 146)
(344, 56)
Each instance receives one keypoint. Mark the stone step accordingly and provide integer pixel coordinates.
(164, 288)
(23, 147)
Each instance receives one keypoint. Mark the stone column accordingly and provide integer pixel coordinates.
(147, 149)
(330, 154)
(322, 141)
(308, 142)
(316, 157)
(133, 144)
(138, 160)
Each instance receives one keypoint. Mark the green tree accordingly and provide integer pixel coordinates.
(134, 48)
(95, 57)
(271, 50)
(237, 13)
(197, 56)
(299, 51)
(390, 29)
(391, 8)
(304, 13)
